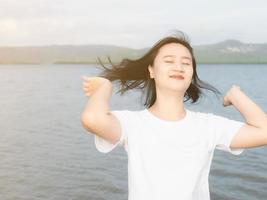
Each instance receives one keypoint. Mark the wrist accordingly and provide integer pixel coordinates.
(104, 90)
(235, 94)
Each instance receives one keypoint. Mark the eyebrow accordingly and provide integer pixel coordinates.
(184, 57)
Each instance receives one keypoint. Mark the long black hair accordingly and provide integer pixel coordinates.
(134, 73)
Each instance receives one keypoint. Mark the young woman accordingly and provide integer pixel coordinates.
(169, 147)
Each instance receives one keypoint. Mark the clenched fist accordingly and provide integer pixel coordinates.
(91, 84)
(230, 93)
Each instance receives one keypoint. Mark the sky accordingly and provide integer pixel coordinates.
(134, 24)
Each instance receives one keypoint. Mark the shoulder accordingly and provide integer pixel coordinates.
(209, 118)
(205, 119)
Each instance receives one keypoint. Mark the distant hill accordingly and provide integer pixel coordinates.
(229, 51)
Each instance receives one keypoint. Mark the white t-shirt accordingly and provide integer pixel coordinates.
(171, 159)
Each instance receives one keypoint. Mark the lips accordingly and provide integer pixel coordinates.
(179, 77)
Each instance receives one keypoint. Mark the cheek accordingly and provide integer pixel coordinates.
(190, 72)
(161, 71)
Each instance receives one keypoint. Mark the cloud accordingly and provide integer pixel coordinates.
(129, 23)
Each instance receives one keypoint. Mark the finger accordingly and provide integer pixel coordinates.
(86, 78)
(225, 104)
(236, 86)
(86, 84)
(86, 89)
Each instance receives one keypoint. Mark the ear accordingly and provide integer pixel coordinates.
(150, 69)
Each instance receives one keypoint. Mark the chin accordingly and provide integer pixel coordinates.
(178, 89)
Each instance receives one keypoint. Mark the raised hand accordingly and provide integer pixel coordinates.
(231, 92)
(91, 84)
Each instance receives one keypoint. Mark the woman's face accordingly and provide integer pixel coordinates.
(172, 59)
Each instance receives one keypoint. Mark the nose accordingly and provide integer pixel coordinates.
(179, 67)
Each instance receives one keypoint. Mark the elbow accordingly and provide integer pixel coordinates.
(87, 121)
(265, 133)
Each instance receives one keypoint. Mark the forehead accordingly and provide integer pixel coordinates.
(175, 49)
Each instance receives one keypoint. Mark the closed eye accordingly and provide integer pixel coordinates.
(173, 62)
(169, 61)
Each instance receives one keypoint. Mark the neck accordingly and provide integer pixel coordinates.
(169, 106)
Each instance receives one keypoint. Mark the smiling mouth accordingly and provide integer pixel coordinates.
(178, 77)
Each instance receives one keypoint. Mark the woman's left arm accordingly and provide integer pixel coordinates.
(254, 132)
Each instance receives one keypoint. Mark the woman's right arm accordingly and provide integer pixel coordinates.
(96, 117)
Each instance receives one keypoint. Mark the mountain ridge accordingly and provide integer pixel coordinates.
(228, 51)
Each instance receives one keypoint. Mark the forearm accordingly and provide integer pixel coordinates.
(98, 102)
(252, 113)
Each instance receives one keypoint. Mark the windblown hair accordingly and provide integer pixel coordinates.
(134, 73)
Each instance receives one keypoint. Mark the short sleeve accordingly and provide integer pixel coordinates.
(223, 131)
(105, 146)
